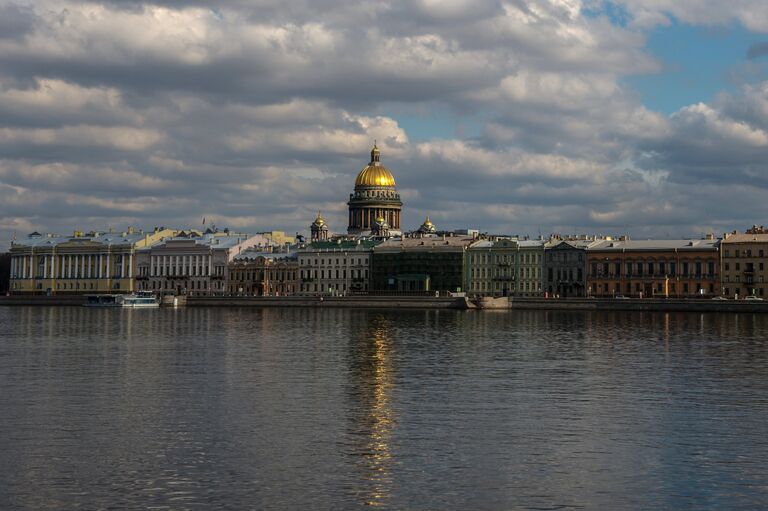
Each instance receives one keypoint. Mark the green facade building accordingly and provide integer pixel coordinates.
(419, 265)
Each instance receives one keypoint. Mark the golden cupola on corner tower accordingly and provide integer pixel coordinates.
(375, 197)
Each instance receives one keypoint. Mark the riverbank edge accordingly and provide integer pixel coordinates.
(421, 302)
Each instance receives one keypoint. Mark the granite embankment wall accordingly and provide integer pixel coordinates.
(42, 300)
(362, 302)
(641, 305)
(422, 302)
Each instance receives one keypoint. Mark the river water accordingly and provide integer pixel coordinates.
(346, 409)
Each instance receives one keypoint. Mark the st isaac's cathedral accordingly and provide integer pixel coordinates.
(374, 206)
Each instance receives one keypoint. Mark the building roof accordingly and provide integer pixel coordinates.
(654, 245)
(215, 240)
(746, 238)
(530, 243)
(335, 246)
(37, 240)
(251, 254)
(573, 243)
(426, 244)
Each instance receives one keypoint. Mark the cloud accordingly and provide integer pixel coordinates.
(256, 114)
(757, 50)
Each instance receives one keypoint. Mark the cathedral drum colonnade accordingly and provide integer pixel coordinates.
(375, 204)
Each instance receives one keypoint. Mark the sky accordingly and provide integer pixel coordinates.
(644, 117)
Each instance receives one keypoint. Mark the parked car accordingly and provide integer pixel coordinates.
(753, 298)
(620, 297)
(719, 298)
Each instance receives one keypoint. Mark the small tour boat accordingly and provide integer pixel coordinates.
(140, 300)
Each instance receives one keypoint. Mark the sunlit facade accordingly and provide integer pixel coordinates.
(193, 263)
(84, 263)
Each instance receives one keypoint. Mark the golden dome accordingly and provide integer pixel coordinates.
(319, 221)
(375, 175)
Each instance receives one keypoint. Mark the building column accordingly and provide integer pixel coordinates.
(130, 265)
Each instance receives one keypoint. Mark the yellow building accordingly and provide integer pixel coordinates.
(93, 262)
(279, 238)
(744, 263)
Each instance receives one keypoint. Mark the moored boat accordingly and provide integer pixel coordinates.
(103, 301)
(140, 300)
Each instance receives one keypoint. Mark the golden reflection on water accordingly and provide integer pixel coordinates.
(377, 418)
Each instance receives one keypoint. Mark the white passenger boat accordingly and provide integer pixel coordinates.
(140, 301)
(134, 301)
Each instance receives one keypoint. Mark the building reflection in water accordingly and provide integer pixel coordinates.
(373, 419)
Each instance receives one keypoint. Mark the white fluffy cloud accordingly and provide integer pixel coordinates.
(256, 114)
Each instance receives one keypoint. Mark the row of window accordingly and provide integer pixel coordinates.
(747, 291)
(498, 286)
(278, 275)
(747, 266)
(651, 268)
(488, 272)
(657, 289)
(737, 279)
(174, 271)
(485, 258)
(274, 290)
(340, 274)
(564, 256)
(354, 261)
(743, 252)
(68, 286)
(563, 274)
(190, 285)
